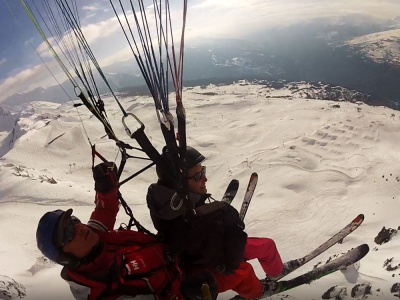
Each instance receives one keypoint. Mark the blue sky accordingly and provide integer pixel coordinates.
(21, 69)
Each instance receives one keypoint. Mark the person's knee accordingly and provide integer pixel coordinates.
(267, 243)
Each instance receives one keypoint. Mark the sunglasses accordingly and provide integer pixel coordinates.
(69, 230)
(199, 175)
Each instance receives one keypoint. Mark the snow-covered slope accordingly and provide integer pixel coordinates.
(381, 47)
(320, 163)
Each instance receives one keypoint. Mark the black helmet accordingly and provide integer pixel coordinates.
(193, 158)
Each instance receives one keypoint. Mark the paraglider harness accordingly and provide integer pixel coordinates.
(146, 146)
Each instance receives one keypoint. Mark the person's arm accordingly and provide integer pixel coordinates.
(107, 204)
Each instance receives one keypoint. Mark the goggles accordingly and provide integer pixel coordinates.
(199, 175)
(69, 230)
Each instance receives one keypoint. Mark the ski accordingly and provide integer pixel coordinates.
(248, 195)
(231, 191)
(332, 266)
(297, 263)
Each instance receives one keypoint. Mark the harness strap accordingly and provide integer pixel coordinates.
(132, 220)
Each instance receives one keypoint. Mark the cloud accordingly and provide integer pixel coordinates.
(29, 79)
(93, 32)
(100, 36)
(90, 16)
(104, 37)
(91, 8)
(236, 18)
(3, 61)
(122, 54)
(385, 8)
(101, 30)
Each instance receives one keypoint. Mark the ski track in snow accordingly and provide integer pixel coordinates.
(319, 166)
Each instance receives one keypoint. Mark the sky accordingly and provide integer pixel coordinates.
(320, 164)
(22, 49)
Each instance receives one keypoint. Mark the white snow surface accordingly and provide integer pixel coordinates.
(319, 166)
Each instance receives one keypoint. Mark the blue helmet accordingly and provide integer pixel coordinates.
(50, 233)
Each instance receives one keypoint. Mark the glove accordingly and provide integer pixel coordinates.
(105, 177)
(191, 287)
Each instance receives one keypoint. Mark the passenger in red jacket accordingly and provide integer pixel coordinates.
(103, 263)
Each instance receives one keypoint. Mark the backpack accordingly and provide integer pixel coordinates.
(218, 233)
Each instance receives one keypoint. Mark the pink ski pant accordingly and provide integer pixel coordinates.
(264, 249)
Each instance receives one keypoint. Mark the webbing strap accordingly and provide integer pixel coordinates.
(128, 211)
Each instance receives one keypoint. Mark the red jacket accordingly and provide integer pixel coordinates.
(106, 277)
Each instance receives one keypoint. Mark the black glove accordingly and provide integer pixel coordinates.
(105, 177)
(191, 287)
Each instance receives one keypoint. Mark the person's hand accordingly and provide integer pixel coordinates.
(105, 177)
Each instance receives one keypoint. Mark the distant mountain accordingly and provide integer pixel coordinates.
(319, 50)
(355, 51)
(381, 47)
(313, 90)
(52, 94)
(10, 130)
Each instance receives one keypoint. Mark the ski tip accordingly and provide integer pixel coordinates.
(254, 174)
(233, 184)
(360, 217)
(357, 221)
(363, 250)
(354, 255)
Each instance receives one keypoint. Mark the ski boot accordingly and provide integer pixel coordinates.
(270, 287)
(288, 267)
